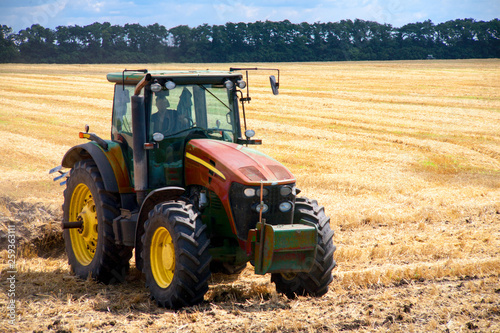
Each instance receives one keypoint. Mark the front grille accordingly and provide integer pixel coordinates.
(214, 200)
(243, 208)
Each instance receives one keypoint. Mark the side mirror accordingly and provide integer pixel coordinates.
(274, 85)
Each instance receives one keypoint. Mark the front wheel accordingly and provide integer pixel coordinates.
(91, 248)
(315, 282)
(175, 255)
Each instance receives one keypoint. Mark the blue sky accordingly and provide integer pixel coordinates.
(20, 14)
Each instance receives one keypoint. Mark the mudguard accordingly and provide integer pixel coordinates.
(110, 164)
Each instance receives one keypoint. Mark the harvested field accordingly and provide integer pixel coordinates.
(404, 155)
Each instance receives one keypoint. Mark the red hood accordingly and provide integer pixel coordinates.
(237, 163)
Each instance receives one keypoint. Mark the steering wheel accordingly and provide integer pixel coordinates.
(168, 125)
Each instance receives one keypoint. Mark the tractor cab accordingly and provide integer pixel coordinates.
(179, 106)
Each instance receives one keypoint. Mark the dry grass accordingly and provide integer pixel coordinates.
(405, 157)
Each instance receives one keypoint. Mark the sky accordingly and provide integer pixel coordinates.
(20, 14)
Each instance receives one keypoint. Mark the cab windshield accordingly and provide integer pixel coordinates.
(204, 107)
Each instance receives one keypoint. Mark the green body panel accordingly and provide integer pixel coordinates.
(225, 247)
(180, 77)
(216, 219)
(229, 252)
(285, 248)
(166, 166)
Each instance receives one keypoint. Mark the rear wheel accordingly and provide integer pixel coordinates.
(175, 255)
(91, 248)
(315, 282)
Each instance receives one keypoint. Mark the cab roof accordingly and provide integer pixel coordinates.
(204, 76)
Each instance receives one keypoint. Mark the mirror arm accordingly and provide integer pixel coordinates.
(231, 69)
(248, 142)
(248, 90)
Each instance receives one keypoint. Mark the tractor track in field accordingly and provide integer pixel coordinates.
(37, 227)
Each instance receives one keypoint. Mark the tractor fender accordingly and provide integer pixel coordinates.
(154, 197)
(91, 150)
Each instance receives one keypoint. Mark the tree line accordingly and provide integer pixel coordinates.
(251, 42)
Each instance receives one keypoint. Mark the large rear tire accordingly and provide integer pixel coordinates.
(176, 261)
(91, 249)
(315, 282)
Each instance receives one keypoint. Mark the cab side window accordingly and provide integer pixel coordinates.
(121, 129)
(122, 112)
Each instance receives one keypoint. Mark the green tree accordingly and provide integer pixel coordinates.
(8, 50)
(266, 41)
(36, 44)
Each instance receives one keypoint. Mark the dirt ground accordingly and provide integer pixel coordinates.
(51, 299)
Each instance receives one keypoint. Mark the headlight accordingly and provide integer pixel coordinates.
(285, 191)
(170, 85)
(241, 84)
(249, 192)
(158, 136)
(229, 84)
(249, 133)
(156, 87)
(265, 208)
(285, 207)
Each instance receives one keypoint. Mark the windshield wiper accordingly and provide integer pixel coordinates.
(217, 98)
(185, 130)
(206, 130)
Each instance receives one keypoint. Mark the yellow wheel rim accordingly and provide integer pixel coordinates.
(84, 240)
(162, 257)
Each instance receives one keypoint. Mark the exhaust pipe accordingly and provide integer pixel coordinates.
(139, 139)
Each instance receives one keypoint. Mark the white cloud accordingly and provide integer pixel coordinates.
(42, 14)
(95, 6)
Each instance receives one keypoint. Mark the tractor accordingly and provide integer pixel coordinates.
(179, 184)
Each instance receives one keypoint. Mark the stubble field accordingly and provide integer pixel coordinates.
(405, 157)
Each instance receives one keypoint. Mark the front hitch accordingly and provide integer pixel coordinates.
(284, 247)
